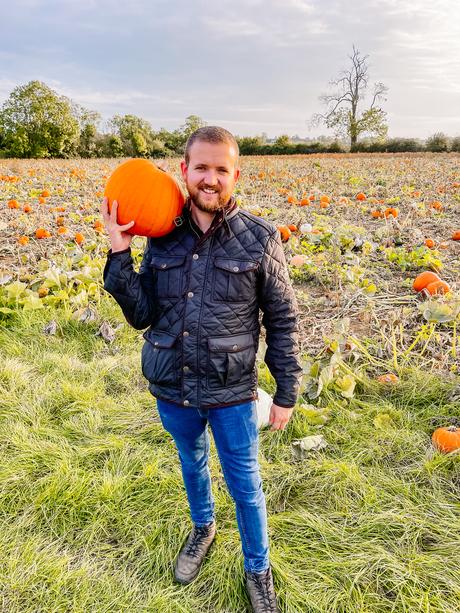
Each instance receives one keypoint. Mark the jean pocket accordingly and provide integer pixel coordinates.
(231, 360)
(234, 280)
(159, 357)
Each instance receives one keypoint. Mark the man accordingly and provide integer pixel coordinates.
(199, 289)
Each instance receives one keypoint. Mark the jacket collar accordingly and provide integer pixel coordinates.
(220, 218)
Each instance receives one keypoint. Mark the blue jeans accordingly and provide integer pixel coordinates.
(236, 438)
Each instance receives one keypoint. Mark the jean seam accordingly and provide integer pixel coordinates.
(246, 542)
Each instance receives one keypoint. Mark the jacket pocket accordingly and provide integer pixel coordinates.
(169, 276)
(234, 280)
(231, 360)
(159, 357)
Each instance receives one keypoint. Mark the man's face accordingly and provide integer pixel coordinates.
(210, 175)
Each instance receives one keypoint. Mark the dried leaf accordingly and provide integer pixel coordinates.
(50, 328)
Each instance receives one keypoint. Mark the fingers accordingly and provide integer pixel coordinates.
(126, 226)
(279, 425)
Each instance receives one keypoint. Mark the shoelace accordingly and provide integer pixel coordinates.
(265, 595)
(199, 532)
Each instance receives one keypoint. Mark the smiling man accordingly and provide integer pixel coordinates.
(199, 290)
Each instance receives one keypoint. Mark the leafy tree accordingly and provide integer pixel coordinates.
(344, 112)
(88, 122)
(36, 122)
(136, 134)
(437, 142)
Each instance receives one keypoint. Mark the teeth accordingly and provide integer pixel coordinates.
(209, 191)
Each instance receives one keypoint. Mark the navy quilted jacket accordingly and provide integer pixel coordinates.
(200, 295)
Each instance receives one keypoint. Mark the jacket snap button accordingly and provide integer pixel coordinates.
(156, 343)
(186, 333)
(235, 269)
(235, 347)
(186, 402)
(195, 256)
(186, 369)
(163, 265)
(190, 295)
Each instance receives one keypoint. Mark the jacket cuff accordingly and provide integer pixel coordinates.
(111, 254)
(283, 404)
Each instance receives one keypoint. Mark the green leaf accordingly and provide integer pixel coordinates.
(383, 421)
(346, 385)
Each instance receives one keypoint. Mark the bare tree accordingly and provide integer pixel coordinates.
(343, 107)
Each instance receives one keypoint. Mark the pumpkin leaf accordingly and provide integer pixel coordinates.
(346, 385)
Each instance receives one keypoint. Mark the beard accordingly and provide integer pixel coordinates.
(205, 203)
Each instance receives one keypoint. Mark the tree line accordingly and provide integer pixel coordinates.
(37, 122)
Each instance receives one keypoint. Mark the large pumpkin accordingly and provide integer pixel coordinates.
(146, 194)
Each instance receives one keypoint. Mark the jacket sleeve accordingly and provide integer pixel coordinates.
(281, 321)
(133, 291)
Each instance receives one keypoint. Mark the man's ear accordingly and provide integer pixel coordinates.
(237, 174)
(183, 169)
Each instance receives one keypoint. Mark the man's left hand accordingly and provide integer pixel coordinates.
(279, 417)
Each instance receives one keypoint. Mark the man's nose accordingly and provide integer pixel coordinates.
(210, 178)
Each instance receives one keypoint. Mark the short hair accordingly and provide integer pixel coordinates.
(211, 134)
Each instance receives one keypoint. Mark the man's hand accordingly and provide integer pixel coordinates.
(119, 239)
(279, 417)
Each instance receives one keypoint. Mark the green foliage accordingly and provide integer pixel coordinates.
(135, 133)
(420, 257)
(437, 142)
(36, 122)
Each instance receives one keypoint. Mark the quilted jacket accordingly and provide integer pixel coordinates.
(199, 294)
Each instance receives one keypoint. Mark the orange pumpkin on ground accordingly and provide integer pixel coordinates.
(145, 194)
(423, 279)
(437, 287)
(388, 378)
(429, 242)
(446, 439)
(456, 236)
(391, 210)
(285, 233)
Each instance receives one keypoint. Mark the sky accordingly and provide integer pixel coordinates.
(251, 66)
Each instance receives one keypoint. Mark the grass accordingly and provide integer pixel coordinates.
(93, 509)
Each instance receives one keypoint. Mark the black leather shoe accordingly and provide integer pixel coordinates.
(193, 552)
(261, 591)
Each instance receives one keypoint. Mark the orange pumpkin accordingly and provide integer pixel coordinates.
(391, 210)
(42, 233)
(423, 279)
(388, 378)
(361, 196)
(437, 287)
(456, 236)
(145, 194)
(446, 439)
(429, 242)
(285, 233)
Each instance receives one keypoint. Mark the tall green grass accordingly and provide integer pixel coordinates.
(93, 509)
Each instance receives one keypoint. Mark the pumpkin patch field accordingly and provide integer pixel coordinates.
(363, 485)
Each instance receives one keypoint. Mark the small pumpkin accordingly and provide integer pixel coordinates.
(391, 210)
(429, 242)
(446, 439)
(145, 194)
(42, 233)
(423, 279)
(438, 287)
(456, 236)
(388, 378)
(361, 196)
(285, 233)
(79, 238)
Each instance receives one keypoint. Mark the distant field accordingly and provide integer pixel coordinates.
(91, 495)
